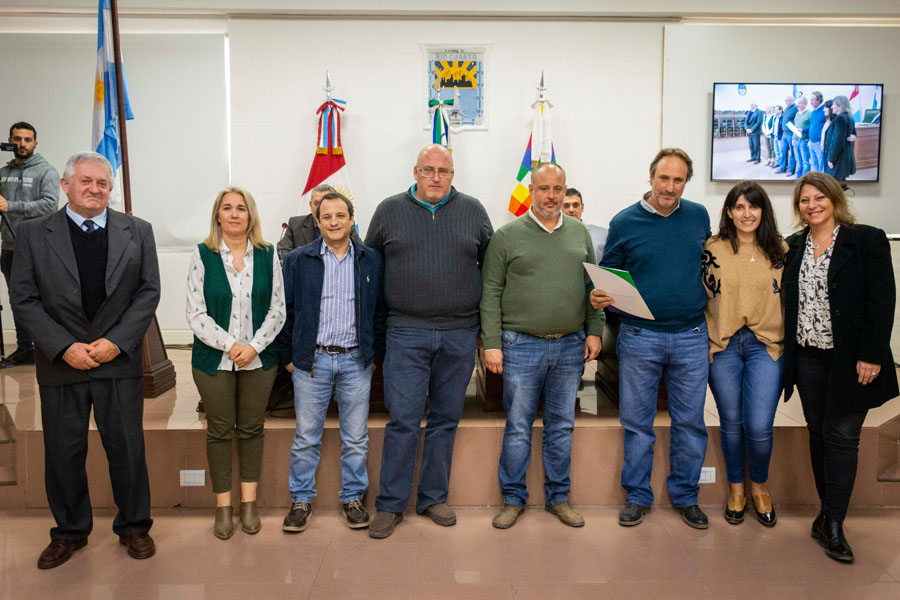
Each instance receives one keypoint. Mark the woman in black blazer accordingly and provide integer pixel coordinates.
(839, 155)
(839, 295)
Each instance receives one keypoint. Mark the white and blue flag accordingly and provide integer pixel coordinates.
(105, 139)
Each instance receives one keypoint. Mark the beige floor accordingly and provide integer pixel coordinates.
(538, 558)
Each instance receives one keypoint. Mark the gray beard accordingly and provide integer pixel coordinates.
(546, 214)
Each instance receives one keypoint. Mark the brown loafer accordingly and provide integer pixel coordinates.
(140, 545)
(58, 552)
(734, 511)
(765, 513)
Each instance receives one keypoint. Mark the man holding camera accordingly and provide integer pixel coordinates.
(29, 188)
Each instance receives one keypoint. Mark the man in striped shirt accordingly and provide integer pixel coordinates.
(333, 333)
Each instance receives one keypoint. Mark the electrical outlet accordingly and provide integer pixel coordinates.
(708, 475)
(193, 477)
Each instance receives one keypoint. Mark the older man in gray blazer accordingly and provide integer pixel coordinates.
(86, 286)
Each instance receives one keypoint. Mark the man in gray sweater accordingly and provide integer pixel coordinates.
(29, 188)
(433, 241)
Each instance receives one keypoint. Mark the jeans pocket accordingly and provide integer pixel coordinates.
(509, 337)
(629, 330)
(356, 353)
(581, 335)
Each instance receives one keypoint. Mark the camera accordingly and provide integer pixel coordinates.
(7, 147)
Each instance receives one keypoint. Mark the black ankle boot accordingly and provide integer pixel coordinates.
(831, 537)
(817, 524)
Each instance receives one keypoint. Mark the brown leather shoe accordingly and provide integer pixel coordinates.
(140, 545)
(58, 552)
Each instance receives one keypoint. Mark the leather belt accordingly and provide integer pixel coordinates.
(335, 349)
(552, 336)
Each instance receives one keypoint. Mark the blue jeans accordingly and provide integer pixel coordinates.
(816, 157)
(533, 367)
(422, 364)
(746, 384)
(801, 151)
(348, 377)
(644, 357)
(788, 158)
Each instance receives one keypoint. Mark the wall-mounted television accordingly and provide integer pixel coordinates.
(778, 131)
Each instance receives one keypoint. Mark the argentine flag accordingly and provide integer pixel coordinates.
(105, 139)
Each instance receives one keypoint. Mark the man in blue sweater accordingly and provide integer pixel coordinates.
(816, 123)
(660, 241)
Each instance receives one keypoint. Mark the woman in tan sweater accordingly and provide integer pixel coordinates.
(742, 267)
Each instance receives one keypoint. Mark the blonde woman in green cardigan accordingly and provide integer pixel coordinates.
(235, 307)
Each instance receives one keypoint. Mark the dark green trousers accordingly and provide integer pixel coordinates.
(235, 403)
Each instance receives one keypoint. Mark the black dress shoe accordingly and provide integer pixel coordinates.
(765, 512)
(817, 524)
(831, 537)
(58, 552)
(694, 517)
(632, 514)
(22, 356)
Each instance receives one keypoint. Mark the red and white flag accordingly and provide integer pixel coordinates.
(330, 164)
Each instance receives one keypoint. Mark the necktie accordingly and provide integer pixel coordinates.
(89, 226)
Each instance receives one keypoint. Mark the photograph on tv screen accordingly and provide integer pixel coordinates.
(780, 131)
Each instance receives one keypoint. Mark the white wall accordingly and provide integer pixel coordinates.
(604, 81)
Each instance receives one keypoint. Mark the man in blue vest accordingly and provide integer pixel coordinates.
(333, 333)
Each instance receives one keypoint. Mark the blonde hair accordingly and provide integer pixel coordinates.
(254, 230)
(832, 189)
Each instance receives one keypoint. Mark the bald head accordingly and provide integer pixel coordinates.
(434, 150)
(433, 173)
(545, 169)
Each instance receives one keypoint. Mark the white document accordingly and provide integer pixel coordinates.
(620, 286)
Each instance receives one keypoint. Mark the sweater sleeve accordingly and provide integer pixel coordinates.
(493, 276)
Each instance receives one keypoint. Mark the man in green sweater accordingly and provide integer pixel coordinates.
(538, 329)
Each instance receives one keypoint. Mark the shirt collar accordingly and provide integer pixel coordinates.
(428, 205)
(225, 250)
(325, 248)
(541, 225)
(99, 220)
(650, 209)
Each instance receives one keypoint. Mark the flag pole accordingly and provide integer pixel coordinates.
(158, 370)
(120, 103)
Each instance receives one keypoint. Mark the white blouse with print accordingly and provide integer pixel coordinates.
(240, 324)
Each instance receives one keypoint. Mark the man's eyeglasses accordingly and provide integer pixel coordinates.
(430, 171)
